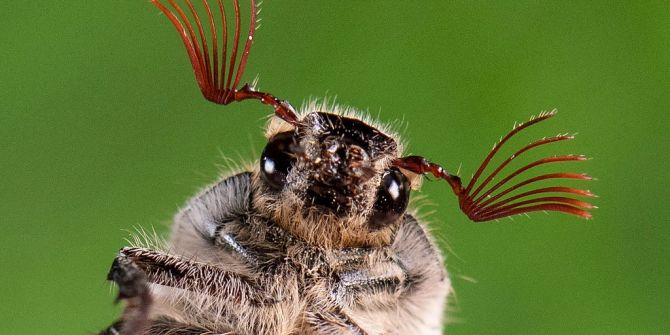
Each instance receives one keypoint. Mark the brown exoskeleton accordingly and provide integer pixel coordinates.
(317, 238)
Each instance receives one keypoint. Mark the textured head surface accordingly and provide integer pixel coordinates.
(338, 160)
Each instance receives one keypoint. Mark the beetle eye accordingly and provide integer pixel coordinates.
(392, 199)
(277, 160)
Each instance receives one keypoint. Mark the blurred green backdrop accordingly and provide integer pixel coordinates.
(102, 129)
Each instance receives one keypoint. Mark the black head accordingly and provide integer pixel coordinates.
(337, 164)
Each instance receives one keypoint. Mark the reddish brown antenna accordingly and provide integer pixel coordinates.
(484, 205)
(216, 80)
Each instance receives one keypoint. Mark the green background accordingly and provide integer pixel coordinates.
(102, 129)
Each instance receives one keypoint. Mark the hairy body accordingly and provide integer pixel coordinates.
(283, 285)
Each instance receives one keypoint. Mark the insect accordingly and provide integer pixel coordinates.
(317, 238)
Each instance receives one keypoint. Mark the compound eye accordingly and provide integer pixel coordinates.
(277, 160)
(392, 199)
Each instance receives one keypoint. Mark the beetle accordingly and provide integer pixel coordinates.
(316, 238)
